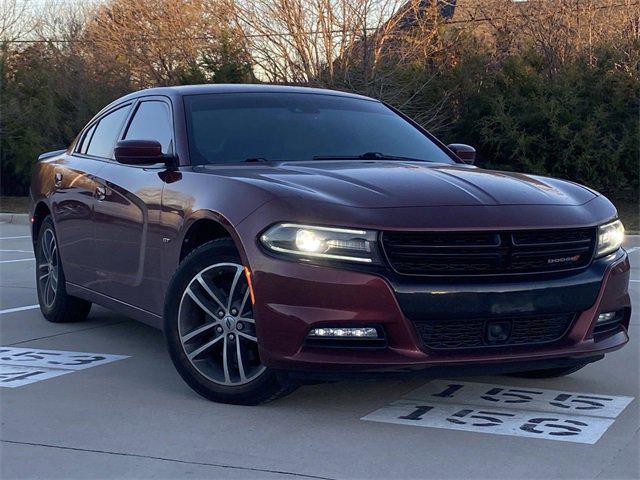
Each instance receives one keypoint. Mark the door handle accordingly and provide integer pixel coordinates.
(57, 179)
(101, 193)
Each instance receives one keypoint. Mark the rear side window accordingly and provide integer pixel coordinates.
(86, 138)
(152, 121)
(104, 137)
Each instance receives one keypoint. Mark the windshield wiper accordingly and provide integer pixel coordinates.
(367, 156)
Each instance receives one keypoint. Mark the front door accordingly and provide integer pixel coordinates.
(127, 216)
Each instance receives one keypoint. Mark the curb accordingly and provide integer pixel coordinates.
(15, 218)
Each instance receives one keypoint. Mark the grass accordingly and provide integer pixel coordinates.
(14, 204)
(629, 210)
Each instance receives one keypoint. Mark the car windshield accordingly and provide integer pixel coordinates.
(238, 127)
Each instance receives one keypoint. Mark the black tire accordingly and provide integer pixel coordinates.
(550, 372)
(267, 385)
(56, 304)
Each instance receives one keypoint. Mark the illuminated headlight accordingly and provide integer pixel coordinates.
(307, 241)
(610, 237)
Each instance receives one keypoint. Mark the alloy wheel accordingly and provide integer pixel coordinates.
(48, 268)
(216, 325)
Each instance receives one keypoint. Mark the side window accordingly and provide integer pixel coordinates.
(152, 121)
(86, 138)
(104, 137)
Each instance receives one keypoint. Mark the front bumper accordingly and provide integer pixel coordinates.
(293, 297)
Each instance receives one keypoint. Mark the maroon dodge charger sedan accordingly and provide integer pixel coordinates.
(278, 234)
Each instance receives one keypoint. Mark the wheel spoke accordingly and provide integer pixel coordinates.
(248, 337)
(45, 248)
(225, 361)
(198, 331)
(47, 289)
(239, 270)
(204, 347)
(243, 377)
(244, 301)
(207, 289)
(195, 298)
(51, 245)
(246, 320)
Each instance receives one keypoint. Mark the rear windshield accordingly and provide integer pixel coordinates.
(234, 127)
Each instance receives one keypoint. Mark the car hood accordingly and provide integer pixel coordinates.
(379, 184)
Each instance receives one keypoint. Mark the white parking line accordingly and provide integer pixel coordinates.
(13, 238)
(632, 249)
(19, 260)
(19, 309)
(15, 251)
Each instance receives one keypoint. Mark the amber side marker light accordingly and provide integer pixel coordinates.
(247, 273)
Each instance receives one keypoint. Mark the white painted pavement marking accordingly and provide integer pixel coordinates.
(632, 249)
(14, 238)
(499, 421)
(19, 260)
(19, 309)
(35, 357)
(16, 251)
(506, 410)
(23, 366)
(12, 376)
(487, 395)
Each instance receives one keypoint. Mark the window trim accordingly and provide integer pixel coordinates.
(134, 111)
(95, 122)
(133, 104)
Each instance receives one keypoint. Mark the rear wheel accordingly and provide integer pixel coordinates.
(550, 372)
(56, 304)
(210, 329)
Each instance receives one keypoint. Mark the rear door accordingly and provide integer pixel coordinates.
(127, 214)
(73, 199)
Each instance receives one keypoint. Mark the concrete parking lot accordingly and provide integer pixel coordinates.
(134, 417)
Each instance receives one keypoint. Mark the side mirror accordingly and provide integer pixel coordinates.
(139, 152)
(464, 152)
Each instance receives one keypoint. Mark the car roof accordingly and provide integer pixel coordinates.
(183, 90)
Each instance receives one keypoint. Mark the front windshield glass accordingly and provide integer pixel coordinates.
(235, 127)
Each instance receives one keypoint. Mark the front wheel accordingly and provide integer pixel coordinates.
(210, 329)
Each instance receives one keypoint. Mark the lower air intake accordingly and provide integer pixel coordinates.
(493, 332)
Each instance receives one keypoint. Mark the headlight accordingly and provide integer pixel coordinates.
(322, 242)
(610, 237)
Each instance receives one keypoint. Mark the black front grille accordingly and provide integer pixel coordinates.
(488, 253)
(464, 334)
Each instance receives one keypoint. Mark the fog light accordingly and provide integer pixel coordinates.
(365, 332)
(606, 317)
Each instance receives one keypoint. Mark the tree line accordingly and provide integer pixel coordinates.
(543, 86)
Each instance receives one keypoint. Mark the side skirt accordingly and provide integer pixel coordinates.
(123, 308)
